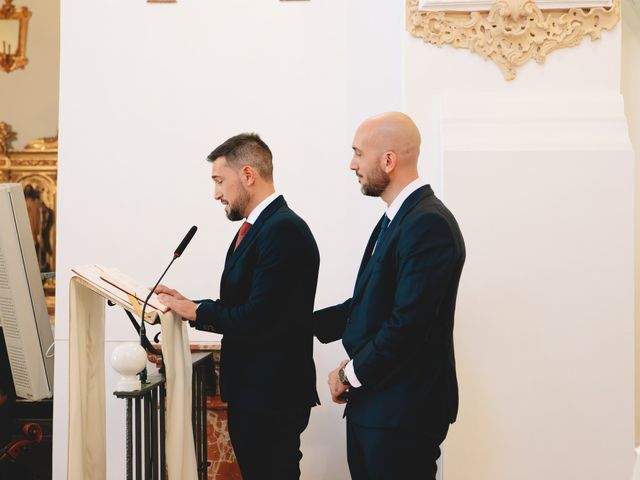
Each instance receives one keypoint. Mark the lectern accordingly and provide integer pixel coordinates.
(87, 424)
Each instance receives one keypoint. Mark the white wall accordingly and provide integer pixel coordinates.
(539, 172)
(545, 347)
(631, 92)
(140, 112)
(29, 97)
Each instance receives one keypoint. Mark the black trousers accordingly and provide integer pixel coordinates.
(267, 444)
(390, 453)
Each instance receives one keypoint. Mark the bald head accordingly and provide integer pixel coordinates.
(395, 132)
(386, 150)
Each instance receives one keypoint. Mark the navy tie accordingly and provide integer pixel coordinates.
(383, 228)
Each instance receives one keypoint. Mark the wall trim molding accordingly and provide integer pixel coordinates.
(485, 5)
(512, 32)
(543, 122)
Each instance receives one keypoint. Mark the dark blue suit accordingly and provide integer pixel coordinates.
(398, 329)
(267, 374)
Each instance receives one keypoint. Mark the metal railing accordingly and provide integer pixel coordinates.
(145, 422)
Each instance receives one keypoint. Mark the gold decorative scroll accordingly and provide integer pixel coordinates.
(513, 31)
(7, 135)
(43, 144)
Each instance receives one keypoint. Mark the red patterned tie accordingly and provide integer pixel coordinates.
(241, 234)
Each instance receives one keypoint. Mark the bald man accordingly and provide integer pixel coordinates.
(399, 382)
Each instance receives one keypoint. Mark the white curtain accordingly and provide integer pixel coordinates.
(636, 469)
(87, 425)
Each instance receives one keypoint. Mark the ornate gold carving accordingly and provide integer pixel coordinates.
(7, 9)
(34, 162)
(44, 144)
(36, 168)
(7, 135)
(10, 61)
(513, 31)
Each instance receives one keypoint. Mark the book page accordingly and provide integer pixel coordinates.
(118, 286)
(128, 285)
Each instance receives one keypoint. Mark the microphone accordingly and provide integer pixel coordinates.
(185, 241)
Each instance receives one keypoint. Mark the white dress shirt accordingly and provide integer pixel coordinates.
(391, 212)
(255, 213)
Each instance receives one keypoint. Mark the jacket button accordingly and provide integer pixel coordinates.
(349, 319)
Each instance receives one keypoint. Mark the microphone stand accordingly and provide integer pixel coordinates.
(143, 332)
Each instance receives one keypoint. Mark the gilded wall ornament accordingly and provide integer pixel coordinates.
(35, 167)
(13, 51)
(43, 144)
(7, 135)
(512, 32)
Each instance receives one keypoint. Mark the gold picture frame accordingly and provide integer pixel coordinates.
(10, 61)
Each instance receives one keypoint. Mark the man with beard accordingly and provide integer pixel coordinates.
(400, 382)
(267, 291)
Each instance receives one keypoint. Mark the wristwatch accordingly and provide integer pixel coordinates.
(342, 377)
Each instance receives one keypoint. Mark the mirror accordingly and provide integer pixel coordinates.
(13, 36)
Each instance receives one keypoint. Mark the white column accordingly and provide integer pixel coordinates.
(543, 189)
(539, 172)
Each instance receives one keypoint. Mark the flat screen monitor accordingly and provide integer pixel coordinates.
(23, 312)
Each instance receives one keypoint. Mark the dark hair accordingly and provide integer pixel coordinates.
(245, 149)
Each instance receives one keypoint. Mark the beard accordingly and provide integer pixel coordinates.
(377, 183)
(239, 206)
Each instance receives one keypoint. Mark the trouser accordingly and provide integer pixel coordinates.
(394, 453)
(267, 444)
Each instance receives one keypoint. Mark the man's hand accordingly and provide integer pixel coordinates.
(178, 303)
(338, 390)
(169, 291)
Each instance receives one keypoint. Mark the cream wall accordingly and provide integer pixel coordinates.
(140, 111)
(539, 172)
(29, 97)
(545, 347)
(631, 92)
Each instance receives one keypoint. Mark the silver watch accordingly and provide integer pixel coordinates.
(342, 377)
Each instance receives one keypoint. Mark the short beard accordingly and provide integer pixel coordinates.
(236, 211)
(378, 182)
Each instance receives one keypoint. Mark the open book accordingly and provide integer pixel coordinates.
(115, 284)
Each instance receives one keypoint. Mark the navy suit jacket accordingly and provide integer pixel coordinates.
(398, 325)
(265, 312)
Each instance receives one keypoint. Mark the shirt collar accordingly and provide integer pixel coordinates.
(255, 213)
(392, 210)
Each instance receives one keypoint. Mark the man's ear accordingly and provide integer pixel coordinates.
(248, 175)
(390, 161)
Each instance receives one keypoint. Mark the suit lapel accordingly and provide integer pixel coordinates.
(232, 256)
(380, 251)
(231, 247)
(370, 244)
